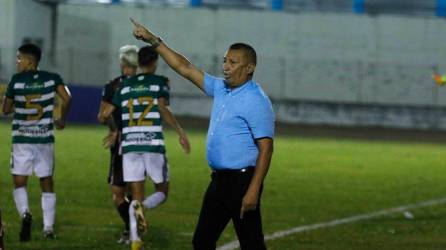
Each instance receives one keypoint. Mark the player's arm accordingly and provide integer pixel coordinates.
(105, 112)
(112, 135)
(65, 96)
(167, 116)
(7, 106)
(251, 198)
(175, 60)
(110, 122)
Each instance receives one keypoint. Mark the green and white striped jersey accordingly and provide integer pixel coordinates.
(33, 93)
(141, 120)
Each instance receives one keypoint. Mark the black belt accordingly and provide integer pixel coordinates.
(233, 171)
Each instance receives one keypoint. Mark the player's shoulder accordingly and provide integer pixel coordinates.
(115, 82)
(161, 80)
(46, 75)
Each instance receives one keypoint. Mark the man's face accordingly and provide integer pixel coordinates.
(128, 70)
(236, 68)
(23, 62)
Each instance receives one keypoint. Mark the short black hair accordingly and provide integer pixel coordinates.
(31, 49)
(249, 51)
(147, 56)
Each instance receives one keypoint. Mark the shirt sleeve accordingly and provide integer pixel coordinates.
(116, 101)
(211, 84)
(57, 80)
(260, 117)
(107, 93)
(165, 90)
(10, 89)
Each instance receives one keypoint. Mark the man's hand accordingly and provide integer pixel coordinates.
(142, 33)
(185, 143)
(110, 139)
(249, 202)
(59, 123)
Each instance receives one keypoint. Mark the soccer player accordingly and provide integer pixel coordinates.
(239, 142)
(30, 96)
(128, 57)
(143, 100)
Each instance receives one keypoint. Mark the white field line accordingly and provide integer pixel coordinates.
(279, 234)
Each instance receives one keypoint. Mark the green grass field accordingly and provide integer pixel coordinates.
(311, 180)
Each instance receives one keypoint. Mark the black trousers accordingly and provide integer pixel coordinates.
(221, 203)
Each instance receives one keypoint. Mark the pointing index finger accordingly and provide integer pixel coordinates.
(134, 22)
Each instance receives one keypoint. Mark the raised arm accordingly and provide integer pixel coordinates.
(65, 96)
(175, 60)
(167, 116)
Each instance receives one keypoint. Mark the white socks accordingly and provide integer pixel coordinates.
(133, 226)
(154, 200)
(49, 210)
(48, 206)
(21, 200)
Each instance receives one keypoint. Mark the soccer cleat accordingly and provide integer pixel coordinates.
(137, 245)
(125, 238)
(49, 234)
(25, 231)
(141, 222)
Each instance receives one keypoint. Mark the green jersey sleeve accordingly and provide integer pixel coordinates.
(58, 80)
(165, 89)
(10, 89)
(116, 101)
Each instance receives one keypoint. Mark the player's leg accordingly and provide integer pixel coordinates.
(134, 175)
(44, 169)
(119, 190)
(157, 169)
(22, 161)
(122, 206)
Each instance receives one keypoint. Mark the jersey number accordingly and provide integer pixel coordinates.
(30, 105)
(141, 121)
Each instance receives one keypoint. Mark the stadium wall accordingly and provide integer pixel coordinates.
(318, 68)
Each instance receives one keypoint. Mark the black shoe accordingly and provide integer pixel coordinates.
(25, 231)
(125, 238)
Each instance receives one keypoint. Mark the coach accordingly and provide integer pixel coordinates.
(239, 142)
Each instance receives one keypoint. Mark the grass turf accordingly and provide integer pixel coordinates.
(311, 180)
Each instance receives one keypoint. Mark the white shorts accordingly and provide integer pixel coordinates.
(26, 156)
(136, 166)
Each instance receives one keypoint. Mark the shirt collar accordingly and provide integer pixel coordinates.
(237, 90)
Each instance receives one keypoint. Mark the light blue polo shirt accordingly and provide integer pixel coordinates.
(238, 117)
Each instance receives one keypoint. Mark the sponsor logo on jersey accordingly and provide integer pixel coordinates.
(33, 130)
(140, 88)
(35, 85)
(140, 137)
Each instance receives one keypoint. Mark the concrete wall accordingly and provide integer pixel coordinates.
(7, 31)
(337, 68)
(20, 20)
(316, 57)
